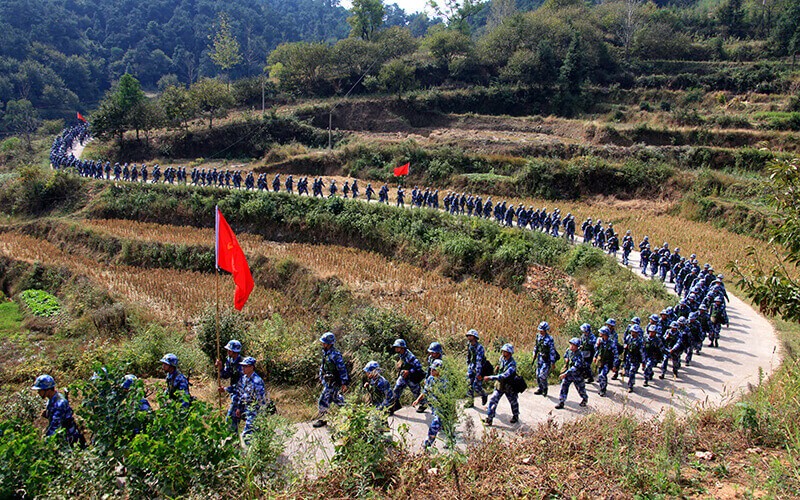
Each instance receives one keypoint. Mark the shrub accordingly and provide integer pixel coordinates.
(27, 462)
(362, 447)
(370, 332)
(146, 348)
(40, 303)
(231, 325)
(263, 469)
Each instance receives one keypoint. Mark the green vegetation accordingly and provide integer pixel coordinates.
(10, 318)
(40, 303)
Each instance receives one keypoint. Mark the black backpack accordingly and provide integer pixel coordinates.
(487, 369)
(518, 384)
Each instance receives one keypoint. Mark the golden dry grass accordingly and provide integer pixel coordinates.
(171, 296)
(444, 305)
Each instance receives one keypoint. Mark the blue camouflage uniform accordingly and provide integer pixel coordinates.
(408, 362)
(674, 344)
(634, 355)
(232, 370)
(436, 423)
(475, 357)
(574, 371)
(506, 369)
(178, 388)
(333, 375)
(653, 351)
(249, 398)
(545, 355)
(606, 353)
(381, 393)
(59, 416)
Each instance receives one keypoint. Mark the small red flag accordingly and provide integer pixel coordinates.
(401, 170)
(81, 118)
(230, 257)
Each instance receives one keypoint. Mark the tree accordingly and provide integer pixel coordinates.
(367, 18)
(114, 115)
(776, 289)
(731, 16)
(225, 50)
(212, 97)
(21, 118)
(624, 19)
(573, 71)
(500, 11)
(397, 76)
(456, 14)
(301, 66)
(178, 105)
(445, 45)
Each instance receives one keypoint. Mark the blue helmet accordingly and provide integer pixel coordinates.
(508, 348)
(586, 328)
(437, 364)
(435, 347)
(400, 343)
(636, 321)
(44, 382)
(544, 326)
(604, 331)
(127, 381)
(670, 310)
(692, 315)
(371, 367)
(653, 317)
(611, 322)
(652, 328)
(170, 359)
(327, 338)
(234, 345)
(248, 361)
(636, 329)
(575, 341)
(674, 324)
(473, 333)
(682, 320)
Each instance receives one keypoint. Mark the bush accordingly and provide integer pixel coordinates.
(231, 325)
(146, 348)
(263, 469)
(40, 303)
(370, 332)
(27, 462)
(362, 447)
(181, 451)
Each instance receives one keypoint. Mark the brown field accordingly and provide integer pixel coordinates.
(444, 305)
(172, 296)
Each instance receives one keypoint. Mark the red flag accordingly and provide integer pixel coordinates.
(401, 170)
(81, 118)
(230, 257)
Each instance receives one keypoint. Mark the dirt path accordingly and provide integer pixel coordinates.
(748, 349)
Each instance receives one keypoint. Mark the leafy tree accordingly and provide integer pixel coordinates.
(530, 67)
(146, 116)
(573, 71)
(446, 45)
(731, 16)
(21, 118)
(500, 11)
(300, 67)
(367, 18)
(624, 19)
(178, 105)
(776, 289)
(115, 114)
(457, 14)
(397, 76)
(225, 50)
(212, 98)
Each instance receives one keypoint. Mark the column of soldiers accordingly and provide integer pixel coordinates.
(675, 331)
(248, 395)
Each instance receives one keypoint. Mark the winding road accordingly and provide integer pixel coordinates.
(749, 349)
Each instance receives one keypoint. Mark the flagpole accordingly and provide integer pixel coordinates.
(216, 298)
